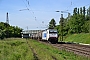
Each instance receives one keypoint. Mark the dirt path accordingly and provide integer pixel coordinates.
(34, 54)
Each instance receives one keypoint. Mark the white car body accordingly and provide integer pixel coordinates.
(50, 35)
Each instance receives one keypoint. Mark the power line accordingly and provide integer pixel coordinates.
(33, 12)
(24, 3)
(30, 10)
(28, 3)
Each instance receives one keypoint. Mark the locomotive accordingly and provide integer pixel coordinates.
(50, 35)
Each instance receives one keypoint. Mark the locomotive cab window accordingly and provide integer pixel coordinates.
(52, 31)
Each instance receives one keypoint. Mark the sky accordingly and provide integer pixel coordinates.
(36, 14)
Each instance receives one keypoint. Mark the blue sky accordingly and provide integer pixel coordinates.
(40, 11)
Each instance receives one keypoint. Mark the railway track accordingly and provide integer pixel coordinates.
(76, 48)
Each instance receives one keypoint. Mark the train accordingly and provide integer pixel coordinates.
(50, 35)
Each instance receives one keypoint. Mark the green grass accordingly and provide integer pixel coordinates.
(80, 38)
(18, 49)
(15, 50)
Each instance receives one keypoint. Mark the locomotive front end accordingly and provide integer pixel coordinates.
(52, 35)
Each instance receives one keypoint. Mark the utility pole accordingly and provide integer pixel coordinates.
(61, 26)
(62, 22)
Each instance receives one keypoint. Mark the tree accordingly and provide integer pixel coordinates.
(84, 11)
(52, 24)
(86, 27)
(78, 11)
(89, 11)
(7, 31)
(2, 34)
(75, 11)
(58, 29)
(81, 11)
(76, 24)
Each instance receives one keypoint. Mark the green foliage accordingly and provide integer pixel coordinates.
(75, 11)
(58, 29)
(79, 22)
(2, 34)
(89, 11)
(76, 24)
(81, 11)
(84, 11)
(52, 24)
(86, 26)
(78, 11)
(9, 31)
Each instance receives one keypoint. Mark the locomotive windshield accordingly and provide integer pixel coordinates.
(53, 31)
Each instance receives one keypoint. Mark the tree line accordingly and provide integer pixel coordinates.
(7, 31)
(77, 23)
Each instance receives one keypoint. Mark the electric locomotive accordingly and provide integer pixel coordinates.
(50, 35)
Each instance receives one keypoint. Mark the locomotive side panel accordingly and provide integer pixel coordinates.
(44, 35)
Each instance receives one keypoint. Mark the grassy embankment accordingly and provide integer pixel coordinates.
(79, 38)
(18, 49)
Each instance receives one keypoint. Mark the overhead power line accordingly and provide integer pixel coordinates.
(30, 10)
(28, 7)
(23, 9)
(24, 3)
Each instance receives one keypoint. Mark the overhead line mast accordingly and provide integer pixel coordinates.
(7, 25)
(7, 19)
